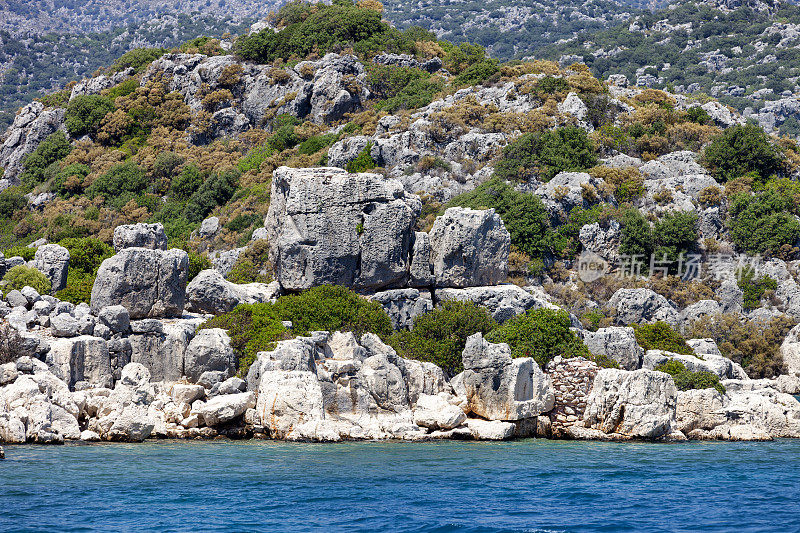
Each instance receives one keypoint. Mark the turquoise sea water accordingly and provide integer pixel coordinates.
(533, 485)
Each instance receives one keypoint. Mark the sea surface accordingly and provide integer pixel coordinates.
(531, 485)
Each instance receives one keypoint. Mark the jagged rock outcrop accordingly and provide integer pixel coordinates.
(502, 301)
(404, 305)
(328, 226)
(708, 362)
(53, 261)
(618, 343)
(790, 351)
(640, 306)
(81, 361)
(151, 236)
(210, 292)
(469, 248)
(498, 387)
(209, 351)
(148, 283)
(32, 125)
(632, 404)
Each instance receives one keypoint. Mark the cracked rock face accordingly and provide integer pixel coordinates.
(327, 226)
(32, 125)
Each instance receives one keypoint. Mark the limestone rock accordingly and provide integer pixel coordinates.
(328, 226)
(640, 306)
(81, 359)
(502, 301)
(639, 403)
(469, 248)
(32, 125)
(116, 318)
(150, 236)
(618, 343)
(435, 412)
(225, 408)
(210, 292)
(53, 261)
(490, 429)
(790, 350)
(209, 350)
(404, 305)
(148, 283)
(498, 387)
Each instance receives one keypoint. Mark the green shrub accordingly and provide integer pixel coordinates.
(661, 336)
(551, 85)
(69, 180)
(242, 222)
(477, 73)
(37, 164)
(216, 190)
(21, 276)
(418, 93)
(86, 254)
(256, 327)
(439, 337)
(11, 201)
(541, 334)
(636, 239)
(21, 251)
(253, 159)
(546, 154)
(698, 115)
(686, 380)
(524, 215)
(85, 113)
(138, 58)
(314, 144)
(186, 183)
(120, 184)
(675, 234)
(197, 263)
(78, 289)
(250, 265)
(753, 288)
(740, 150)
(363, 161)
(760, 224)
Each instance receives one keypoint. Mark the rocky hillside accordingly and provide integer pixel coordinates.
(743, 54)
(341, 230)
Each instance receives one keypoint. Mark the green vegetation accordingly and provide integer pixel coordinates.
(21, 276)
(546, 154)
(39, 165)
(686, 380)
(439, 336)
(741, 151)
(661, 336)
(21, 251)
(754, 288)
(398, 88)
(253, 265)
(255, 328)
(85, 256)
(675, 234)
(11, 200)
(85, 113)
(542, 334)
(363, 161)
(762, 223)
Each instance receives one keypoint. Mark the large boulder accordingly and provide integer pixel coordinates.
(790, 350)
(469, 248)
(226, 407)
(498, 387)
(404, 305)
(721, 366)
(53, 261)
(502, 301)
(641, 306)
(148, 283)
(209, 351)
(210, 292)
(328, 226)
(634, 404)
(140, 235)
(161, 346)
(81, 359)
(618, 343)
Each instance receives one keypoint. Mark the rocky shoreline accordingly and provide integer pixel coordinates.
(137, 364)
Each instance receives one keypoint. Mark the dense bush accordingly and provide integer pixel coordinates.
(477, 73)
(216, 190)
(760, 224)
(119, 184)
(686, 380)
(524, 215)
(741, 150)
(11, 200)
(439, 337)
(254, 328)
(753, 344)
(85, 113)
(661, 336)
(253, 265)
(636, 239)
(753, 288)
(138, 59)
(542, 334)
(675, 234)
(70, 180)
(363, 161)
(21, 276)
(36, 164)
(546, 154)
(21, 251)
(86, 253)
(186, 183)
(197, 263)
(78, 289)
